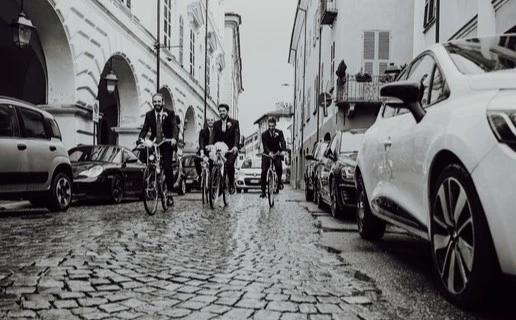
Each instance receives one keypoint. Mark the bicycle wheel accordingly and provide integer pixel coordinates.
(225, 189)
(204, 187)
(214, 187)
(150, 191)
(163, 191)
(271, 187)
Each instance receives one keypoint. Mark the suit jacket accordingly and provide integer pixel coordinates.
(273, 143)
(232, 135)
(204, 138)
(169, 125)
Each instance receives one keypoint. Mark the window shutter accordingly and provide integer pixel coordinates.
(368, 67)
(369, 40)
(383, 45)
(383, 67)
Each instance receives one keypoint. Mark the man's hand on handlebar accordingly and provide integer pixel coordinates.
(234, 150)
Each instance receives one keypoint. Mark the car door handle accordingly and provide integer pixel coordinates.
(22, 146)
(52, 148)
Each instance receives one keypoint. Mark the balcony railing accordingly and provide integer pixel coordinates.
(328, 11)
(360, 89)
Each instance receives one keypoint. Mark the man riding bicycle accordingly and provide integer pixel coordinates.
(206, 138)
(273, 142)
(163, 125)
(228, 131)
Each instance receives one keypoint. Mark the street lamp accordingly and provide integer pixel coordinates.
(22, 29)
(111, 78)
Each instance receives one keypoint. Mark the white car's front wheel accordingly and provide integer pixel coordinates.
(369, 226)
(462, 246)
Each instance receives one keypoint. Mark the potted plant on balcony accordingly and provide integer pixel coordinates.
(363, 77)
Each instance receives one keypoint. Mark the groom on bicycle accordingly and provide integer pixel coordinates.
(162, 125)
(206, 138)
(273, 142)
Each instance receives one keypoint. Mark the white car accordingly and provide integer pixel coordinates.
(249, 174)
(440, 162)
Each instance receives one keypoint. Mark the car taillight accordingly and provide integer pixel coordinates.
(503, 124)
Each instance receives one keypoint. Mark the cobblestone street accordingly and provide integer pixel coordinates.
(243, 261)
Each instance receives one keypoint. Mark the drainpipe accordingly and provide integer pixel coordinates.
(294, 118)
(320, 80)
(301, 159)
(437, 19)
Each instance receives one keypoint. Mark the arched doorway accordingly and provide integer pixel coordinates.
(121, 107)
(169, 100)
(189, 128)
(43, 72)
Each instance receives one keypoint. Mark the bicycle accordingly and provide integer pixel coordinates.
(272, 177)
(218, 179)
(205, 179)
(154, 184)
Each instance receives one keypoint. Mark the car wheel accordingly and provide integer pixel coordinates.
(238, 190)
(370, 227)
(60, 193)
(462, 247)
(182, 187)
(314, 195)
(117, 189)
(334, 205)
(246, 190)
(319, 201)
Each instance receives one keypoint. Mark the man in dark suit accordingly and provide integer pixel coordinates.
(162, 125)
(273, 142)
(228, 131)
(206, 138)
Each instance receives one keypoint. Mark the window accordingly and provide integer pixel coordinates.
(438, 91)
(181, 40)
(167, 23)
(34, 125)
(421, 71)
(430, 10)
(8, 123)
(376, 53)
(53, 128)
(192, 53)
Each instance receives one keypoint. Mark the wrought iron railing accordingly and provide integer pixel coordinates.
(360, 88)
(328, 11)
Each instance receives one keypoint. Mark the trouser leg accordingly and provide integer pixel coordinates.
(166, 157)
(231, 167)
(263, 179)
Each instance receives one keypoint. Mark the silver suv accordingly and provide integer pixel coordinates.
(34, 163)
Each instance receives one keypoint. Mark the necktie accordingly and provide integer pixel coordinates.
(223, 126)
(159, 129)
(210, 138)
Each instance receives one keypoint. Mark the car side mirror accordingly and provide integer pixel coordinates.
(409, 93)
(309, 157)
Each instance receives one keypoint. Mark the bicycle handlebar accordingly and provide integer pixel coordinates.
(268, 156)
(149, 144)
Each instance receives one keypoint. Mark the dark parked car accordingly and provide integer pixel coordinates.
(105, 171)
(191, 177)
(177, 167)
(336, 172)
(312, 162)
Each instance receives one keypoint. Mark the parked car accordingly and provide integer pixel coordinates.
(312, 162)
(440, 159)
(34, 164)
(249, 174)
(177, 168)
(191, 177)
(336, 186)
(106, 171)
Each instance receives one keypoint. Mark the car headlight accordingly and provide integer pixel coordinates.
(503, 124)
(348, 172)
(152, 157)
(92, 172)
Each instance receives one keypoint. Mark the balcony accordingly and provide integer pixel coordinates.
(328, 11)
(360, 89)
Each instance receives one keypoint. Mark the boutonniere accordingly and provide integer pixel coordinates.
(164, 115)
(228, 125)
(276, 134)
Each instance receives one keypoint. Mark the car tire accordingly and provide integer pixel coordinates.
(334, 202)
(117, 189)
(308, 193)
(238, 190)
(246, 190)
(314, 192)
(462, 247)
(182, 187)
(60, 193)
(370, 227)
(319, 201)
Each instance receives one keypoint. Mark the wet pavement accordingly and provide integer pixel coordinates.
(242, 261)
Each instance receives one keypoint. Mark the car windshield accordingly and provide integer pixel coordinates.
(350, 142)
(96, 153)
(251, 163)
(483, 55)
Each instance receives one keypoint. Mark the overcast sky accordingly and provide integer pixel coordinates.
(264, 39)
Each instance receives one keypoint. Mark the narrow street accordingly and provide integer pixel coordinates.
(243, 261)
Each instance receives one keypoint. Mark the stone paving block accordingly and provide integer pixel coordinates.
(65, 304)
(199, 315)
(172, 287)
(18, 291)
(357, 300)
(294, 316)
(56, 315)
(193, 305)
(83, 310)
(133, 303)
(113, 307)
(118, 297)
(129, 315)
(36, 304)
(307, 308)
(92, 302)
(328, 308)
(344, 316)
(50, 283)
(216, 309)
(70, 295)
(175, 313)
(300, 298)
(283, 306)
(80, 286)
(145, 290)
(188, 289)
(180, 279)
(111, 287)
(203, 298)
(100, 281)
(320, 317)
(368, 315)
(266, 315)
(228, 301)
(277, 297)
(26, 281)
(238, 313)
(95, 315)
(130, 284)
(22, 314)
(208, 292)
(251, 303)
(166, 303)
